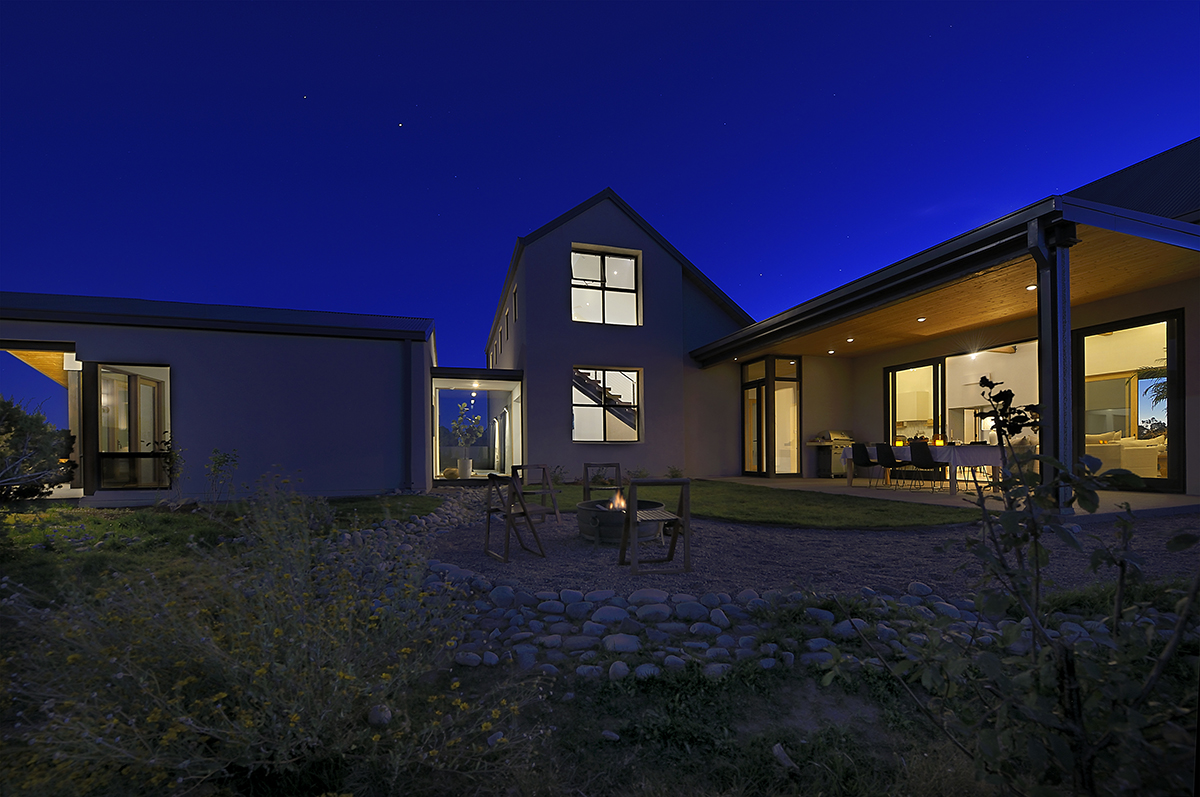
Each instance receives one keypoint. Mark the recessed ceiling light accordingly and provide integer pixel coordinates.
(921, 319)
(474, 384)
(849, 340)
(793, 362)
(1031, 287)
(831, 351)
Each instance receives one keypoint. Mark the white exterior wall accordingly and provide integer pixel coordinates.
(336, 412)
(689, 416)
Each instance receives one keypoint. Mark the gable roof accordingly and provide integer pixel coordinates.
(707, 286)
(1166, 185)
(187, 315)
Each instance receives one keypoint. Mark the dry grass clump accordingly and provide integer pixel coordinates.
(280, 665)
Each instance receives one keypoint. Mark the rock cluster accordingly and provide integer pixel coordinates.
(601, 634)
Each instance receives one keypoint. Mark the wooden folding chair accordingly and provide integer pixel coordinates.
(599, 468)
(678, 523)
(541, 488)
(505, 501)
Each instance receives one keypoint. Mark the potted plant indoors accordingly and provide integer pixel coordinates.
(466, 430)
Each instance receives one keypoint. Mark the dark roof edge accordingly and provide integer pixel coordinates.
(1131, 222)
(455, 372)
(909, 271)
(690, 269)
(187, 315)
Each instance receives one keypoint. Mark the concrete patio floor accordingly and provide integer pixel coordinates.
(1144, 504)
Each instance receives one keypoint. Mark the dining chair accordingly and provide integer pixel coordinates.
(891, 465)
(862, 460)
(922, 460)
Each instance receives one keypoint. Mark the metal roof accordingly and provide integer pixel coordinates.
(187, 315)
(1166, 185)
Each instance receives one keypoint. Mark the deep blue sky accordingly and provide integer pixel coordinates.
(383, 158)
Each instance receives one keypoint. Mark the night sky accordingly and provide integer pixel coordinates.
(383, 158)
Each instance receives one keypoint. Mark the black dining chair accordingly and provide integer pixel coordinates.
(887, 458)
(862, 461)
(922, 460)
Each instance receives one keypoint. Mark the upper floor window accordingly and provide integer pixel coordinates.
(604, 288)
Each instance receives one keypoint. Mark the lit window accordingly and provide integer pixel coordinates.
(605, 406)
(604, 289)
(134, 426)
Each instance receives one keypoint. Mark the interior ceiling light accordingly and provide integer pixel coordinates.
(831, 351)
(1031, 287)
(474, 384)
(921, 320)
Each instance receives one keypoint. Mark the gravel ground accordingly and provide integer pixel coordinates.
(729, 557)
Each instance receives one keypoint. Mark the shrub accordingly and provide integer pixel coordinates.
(33, 454)
(1114, 714)
(282, 660)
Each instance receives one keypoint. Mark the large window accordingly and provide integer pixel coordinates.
(605, 406)
(916, 403)
(1129, 401)
(604, 288)
(134, 426)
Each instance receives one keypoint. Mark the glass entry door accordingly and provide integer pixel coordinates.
(752, 429)
(771, 417)
(1130, 400)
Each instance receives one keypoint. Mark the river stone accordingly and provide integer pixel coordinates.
(467, 658)
(818, 643)
(598, 595)
(741, 654)
(609, 614)
(551, 641)
(673, 662)
(551, 607)
(580, 610)
(490, 658)
(589, 671)
(630, 626)
(710, 600)
(569, 596)
(691, 611)
(525, 655)
(646, 595)
(682, 597)
(502, 596)
(622, 643)
(924, 611)
(845, 629)
(673, 628)
(717, 654)
(747, 642)
(654, 613)
(611, 736)
(525, 599)
(580, 643)
(704, 629)
(819, 657)
(767, 663)
(718, 618)
(947, 610)
(820, 615)
(717, 669)
(747, 595)
(618, 670)
(594, 629)
(657, 637)
(919, 589)
(645, 671)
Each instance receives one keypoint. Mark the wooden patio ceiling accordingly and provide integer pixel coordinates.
(1104, 264)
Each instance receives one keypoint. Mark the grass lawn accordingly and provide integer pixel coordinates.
(742, 503)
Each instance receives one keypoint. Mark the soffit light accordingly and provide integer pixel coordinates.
(831, 351)
(921, 320)
(1031, 287)
(849, 340)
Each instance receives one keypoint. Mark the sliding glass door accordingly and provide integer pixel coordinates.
(916, 406)
(771, 417)
(1128, 403)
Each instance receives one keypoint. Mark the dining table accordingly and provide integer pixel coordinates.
(956, 456)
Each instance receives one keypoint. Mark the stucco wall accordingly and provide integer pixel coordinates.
(333, 411)
(826, 402)
(672, 389)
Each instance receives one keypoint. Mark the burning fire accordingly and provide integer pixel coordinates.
(617, 502)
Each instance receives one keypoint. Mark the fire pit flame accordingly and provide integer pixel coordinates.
(617, 502)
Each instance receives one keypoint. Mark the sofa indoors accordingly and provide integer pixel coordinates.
(1127, 453)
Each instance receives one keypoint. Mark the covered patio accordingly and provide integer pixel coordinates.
(1144, 504)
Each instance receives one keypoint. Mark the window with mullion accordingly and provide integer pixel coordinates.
(604, 288)
(605, 405)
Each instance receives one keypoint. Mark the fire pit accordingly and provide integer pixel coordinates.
(597, 519)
